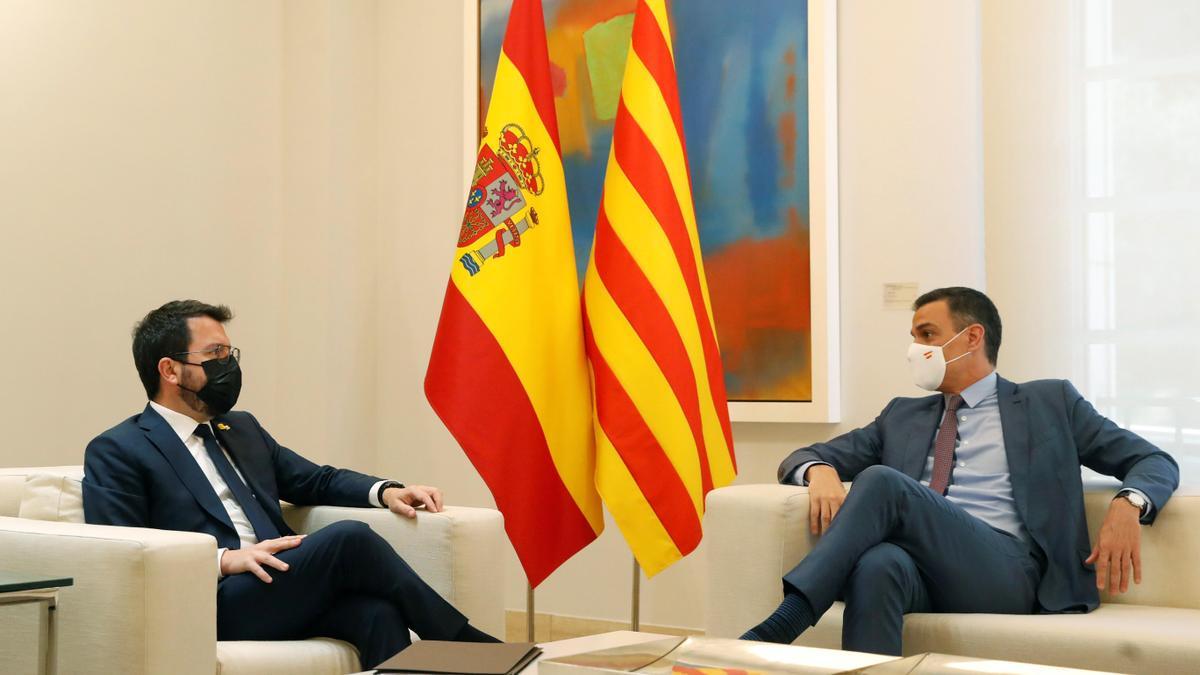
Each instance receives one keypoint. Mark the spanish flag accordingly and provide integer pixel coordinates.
(508, 374)
(663, 438)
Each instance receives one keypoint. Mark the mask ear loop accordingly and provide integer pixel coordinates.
(952, 340)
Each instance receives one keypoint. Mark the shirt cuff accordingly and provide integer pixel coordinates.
(1148, 510)
(373, 497)
(797, 477)
(220, 553)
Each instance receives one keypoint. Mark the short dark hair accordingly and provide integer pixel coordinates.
(968, 306)
(164, 332)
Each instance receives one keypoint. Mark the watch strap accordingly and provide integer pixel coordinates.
(383, 487)
(1133, 497)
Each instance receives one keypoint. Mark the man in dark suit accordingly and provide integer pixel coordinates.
(187, 463)
(970, 500)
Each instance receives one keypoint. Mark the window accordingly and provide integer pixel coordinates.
(1136, 215)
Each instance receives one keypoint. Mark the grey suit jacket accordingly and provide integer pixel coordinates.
(1049, 432)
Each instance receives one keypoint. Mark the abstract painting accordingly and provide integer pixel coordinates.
(743, 83)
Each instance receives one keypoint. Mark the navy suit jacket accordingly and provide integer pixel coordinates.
(139, 474)
(1049, 431)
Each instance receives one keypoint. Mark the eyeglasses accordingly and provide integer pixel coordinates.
(220, 354)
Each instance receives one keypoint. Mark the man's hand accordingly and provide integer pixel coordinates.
(405, 500)
(252, 559)
(1118, 546)
(825, 496)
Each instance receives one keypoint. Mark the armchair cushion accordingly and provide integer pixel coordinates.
(320, 656)
(53, 496)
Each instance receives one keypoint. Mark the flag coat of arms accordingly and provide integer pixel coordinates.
(508, 374)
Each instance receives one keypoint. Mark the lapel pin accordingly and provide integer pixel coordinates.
(222, 426)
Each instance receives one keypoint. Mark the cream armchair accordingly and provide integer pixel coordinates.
(756, 533)
(144, 601)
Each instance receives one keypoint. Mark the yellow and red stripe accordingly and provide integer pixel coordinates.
(662, 423)
(508, 374)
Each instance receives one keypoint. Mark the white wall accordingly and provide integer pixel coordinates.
(304, 162)
(1028, 171)
(158, 149)
(325, 386)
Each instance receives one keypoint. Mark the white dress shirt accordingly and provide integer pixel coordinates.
(185, 428)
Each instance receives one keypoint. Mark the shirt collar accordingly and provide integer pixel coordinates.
(983, 388)
(181, 424)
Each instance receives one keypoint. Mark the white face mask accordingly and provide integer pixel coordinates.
(928, 363)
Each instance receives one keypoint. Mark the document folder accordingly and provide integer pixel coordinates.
(462, 658)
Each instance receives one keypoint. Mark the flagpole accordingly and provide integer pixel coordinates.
(635, 606)
(529, 614)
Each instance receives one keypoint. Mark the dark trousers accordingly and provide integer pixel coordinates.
(897, 547)
(344, 581)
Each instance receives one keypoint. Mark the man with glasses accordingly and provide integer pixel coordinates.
(969, 500)
(186, 462)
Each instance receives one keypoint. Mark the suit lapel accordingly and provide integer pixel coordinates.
(185, 466)
(1014, 425)
(920, 439)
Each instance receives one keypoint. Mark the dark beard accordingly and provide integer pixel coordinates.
(193, 400)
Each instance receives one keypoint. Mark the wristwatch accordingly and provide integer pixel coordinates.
(384, 486)
(1133, 498)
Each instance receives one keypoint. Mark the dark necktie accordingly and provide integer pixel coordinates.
(943, 446)
(263, 527)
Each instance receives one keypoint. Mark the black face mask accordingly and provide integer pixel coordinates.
(224, 384)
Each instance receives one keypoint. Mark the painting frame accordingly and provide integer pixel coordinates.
(825, 405)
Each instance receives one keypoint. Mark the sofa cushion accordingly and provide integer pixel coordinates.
(12, 484)
(1115, 637)
(53, 496)
(11, 487)
(312, 657)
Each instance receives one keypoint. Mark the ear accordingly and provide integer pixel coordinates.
(975, 337)
(166, 371)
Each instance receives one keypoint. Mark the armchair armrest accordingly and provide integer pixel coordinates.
(753, 535)
(455, 551)
(144, 601)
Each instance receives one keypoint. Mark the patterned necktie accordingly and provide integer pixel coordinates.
(263, 527)
(943, 446)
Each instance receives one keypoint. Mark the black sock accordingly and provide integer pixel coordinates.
(470, 633)
(792, 618)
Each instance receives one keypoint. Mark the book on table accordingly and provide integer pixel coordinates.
(462, 658)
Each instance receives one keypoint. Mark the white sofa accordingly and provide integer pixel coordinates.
(144, 601)
(756, 533)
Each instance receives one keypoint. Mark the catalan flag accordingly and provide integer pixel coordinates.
(663, 438)
(508, 375)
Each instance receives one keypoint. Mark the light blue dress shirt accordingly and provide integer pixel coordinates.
(980, 482)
